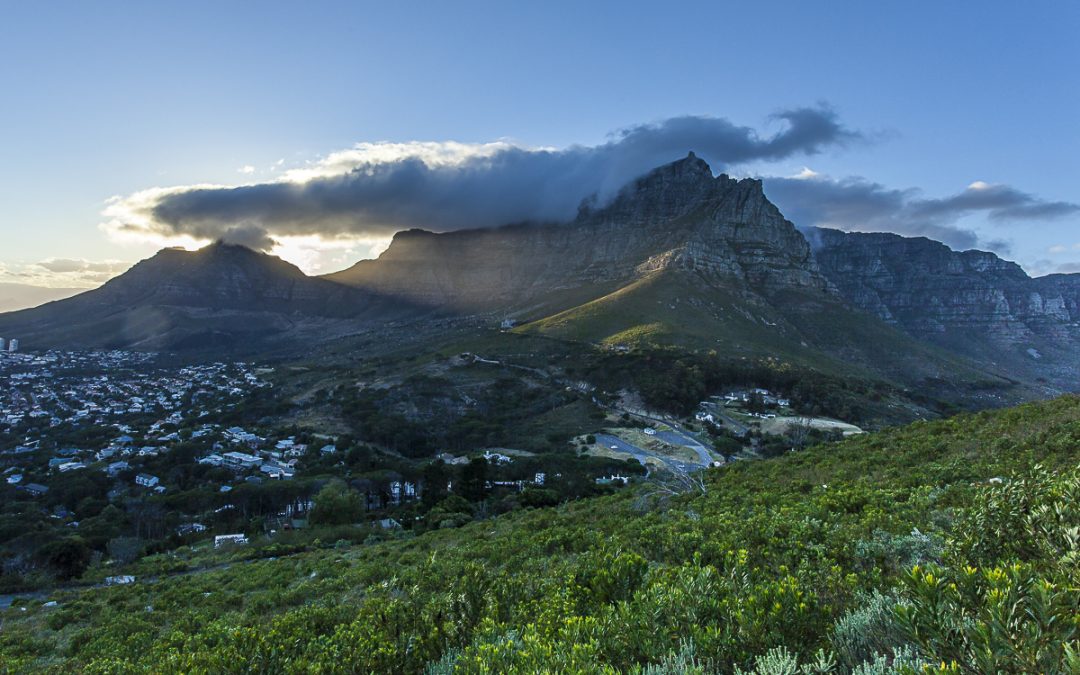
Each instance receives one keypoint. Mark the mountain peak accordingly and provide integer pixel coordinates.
(690, 169)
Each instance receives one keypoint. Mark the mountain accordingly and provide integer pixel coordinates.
(219, 297)
(970, 302)
(678, 258)
(14, 297)
(676, 217)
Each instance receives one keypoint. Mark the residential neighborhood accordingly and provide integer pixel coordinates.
(112, 446)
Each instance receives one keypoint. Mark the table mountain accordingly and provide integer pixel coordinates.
(676, 217)
(678, 258)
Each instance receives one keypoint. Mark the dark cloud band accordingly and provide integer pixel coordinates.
(509, 185)
(859, 204)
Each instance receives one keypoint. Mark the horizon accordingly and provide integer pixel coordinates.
(322, 172)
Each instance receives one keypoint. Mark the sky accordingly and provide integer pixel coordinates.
(316, 130)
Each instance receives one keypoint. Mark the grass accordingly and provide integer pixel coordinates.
(670, 308)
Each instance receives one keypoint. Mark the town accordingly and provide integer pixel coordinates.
(116, 454)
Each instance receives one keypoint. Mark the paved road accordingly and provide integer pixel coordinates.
(641, 454)
(680, 438)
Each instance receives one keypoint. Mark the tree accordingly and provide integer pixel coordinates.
(124, 549)
(756, 403)
(435, 478)
(68, 557)
(336, 504)
(474, 479)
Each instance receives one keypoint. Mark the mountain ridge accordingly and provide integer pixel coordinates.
(678, 257)
(971, 302)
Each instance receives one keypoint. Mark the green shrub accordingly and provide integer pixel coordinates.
(868, 631)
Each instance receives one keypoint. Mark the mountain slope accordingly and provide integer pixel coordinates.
(219, 297)
(809, 551)
(676, 308)
(971, 302)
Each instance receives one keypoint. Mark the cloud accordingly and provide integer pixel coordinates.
(67, 265)
(855, 203)
(1000, 202)
(1042, 267)
(858, 204)
(376, 189)
(63, 272)
(251, 236)
(247, 169)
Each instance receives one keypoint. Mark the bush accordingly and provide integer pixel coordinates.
(868, 631)
(903, 662)
(68, 557)
(899, 552)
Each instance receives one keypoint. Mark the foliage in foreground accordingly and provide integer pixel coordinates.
(951, 546)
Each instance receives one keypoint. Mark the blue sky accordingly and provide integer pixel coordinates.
(107, 100)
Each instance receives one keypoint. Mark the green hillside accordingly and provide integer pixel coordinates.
(672, 308)
(953, 543)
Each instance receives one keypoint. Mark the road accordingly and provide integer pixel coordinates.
(718, 411)
(642, 455)
(679, 438)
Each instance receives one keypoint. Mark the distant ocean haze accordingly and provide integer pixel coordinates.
(14, 297)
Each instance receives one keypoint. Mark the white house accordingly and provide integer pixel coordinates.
(226, 539)
(613, 479)
(190, 528)
(497, 457)
(116, 467)
(146, 480)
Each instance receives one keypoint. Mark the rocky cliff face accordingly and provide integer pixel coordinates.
(678, 216)
(971, 301)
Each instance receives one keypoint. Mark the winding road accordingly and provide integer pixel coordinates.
(642, 455)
